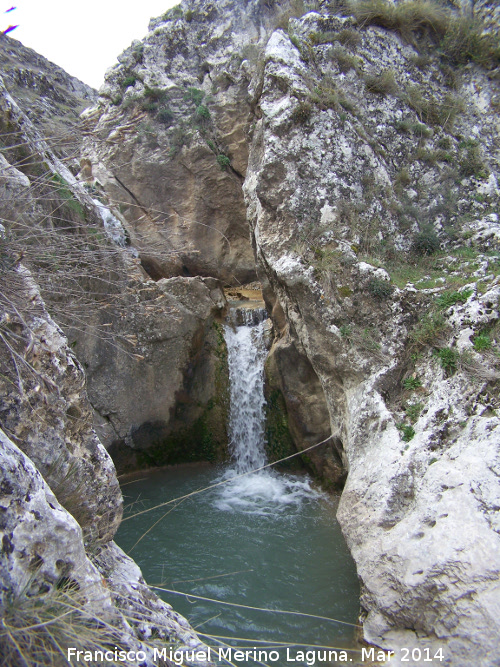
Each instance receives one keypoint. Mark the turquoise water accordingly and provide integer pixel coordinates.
(265, 540)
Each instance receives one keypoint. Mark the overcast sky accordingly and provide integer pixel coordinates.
(84, 37)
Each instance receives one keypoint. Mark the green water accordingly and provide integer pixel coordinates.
(266, 540)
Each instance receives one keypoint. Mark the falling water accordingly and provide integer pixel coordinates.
(264, 491)
(261, 540)
(246, 356)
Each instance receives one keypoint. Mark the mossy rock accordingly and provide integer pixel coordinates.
(279, 443)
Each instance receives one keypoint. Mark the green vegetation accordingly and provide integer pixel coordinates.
(202, 114)
(180, 137)
(426, 242)
(380, 289)
(382, 84)
(345, 60)
(165, 116)
(302, 113)
(430, 110)
(279, 443)
(194, 95)
(411, 383)
(37, 627)
(449, 359)
(471, 162)
(429, 331)
(459, 39)
(448, 299)
(482, 342)
(413, 411)
(223, 161)
(128, 81)
(64, 191)
(408, 432)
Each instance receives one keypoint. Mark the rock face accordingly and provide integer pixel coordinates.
(339, 188)
(45, 571)
(168, 139)
(167, 385)
(369, 174)
(76, 251)
(52, 98)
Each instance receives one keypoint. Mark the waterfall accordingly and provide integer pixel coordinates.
(266, 491)
(246, 356)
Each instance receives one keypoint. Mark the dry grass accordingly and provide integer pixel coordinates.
(409, 19)
(460, 39)
(36, 630)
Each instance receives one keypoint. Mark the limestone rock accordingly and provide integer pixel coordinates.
(327, 158)
(45, 571)
(44, 408)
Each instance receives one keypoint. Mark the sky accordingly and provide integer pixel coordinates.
(84, 37)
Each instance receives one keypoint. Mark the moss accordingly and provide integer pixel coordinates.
(279, 443)
(64, 191)
(206, 438)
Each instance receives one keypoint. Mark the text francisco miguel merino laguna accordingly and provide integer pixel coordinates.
(230, 654)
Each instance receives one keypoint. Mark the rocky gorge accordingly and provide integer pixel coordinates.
(347, 158)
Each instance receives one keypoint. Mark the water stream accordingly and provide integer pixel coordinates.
(265, 539)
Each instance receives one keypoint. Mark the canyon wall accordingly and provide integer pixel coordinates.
(354, 169)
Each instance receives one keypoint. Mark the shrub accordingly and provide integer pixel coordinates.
(428, 331)
(482, 342)
(223, 162)
(413, 411)
(472, 163)
(349, 38)
(149, 105)
(202, 114)
(179, 138)
(448, 358)
(380, 289)
(127, 82)
(344, 60)
(444, 142)
(346, 331)
(302, 112)
(412, 382)
(165, 116)
(155, 94)
(430, 110)
(382, 84)
(465, 40)
(426, 242)
(407, 431)
(194, 95)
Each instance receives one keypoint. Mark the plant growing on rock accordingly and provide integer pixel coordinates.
(223, 161)
(430, 110)
(202, 114)
(482, 342)
(380, 289)
(382, 84)
(413, 411)
(411, 383)
(426, 242)
(449, 299)
(472, 163)
(448, 358)
(428, 331)
(194, 95)
(128, 81)
(302, 113)
(408, 432)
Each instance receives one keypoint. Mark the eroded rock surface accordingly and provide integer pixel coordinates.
(327, 159)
